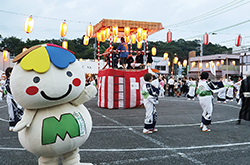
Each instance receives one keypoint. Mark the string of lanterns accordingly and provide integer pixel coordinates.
(218, 63)
(105, 34)
(140, 36)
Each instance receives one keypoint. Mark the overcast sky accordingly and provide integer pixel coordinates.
(197, 17)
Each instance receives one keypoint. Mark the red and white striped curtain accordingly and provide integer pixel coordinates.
(108, 95)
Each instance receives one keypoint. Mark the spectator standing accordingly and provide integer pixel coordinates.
(161, 87)
(185, 86)
(171, 86)
(176, 85)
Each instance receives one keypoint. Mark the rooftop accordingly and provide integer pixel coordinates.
(215, 57)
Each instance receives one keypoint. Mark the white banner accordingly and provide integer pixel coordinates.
(212, 69)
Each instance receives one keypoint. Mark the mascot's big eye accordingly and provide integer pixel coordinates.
(36, 79)
(69, 74)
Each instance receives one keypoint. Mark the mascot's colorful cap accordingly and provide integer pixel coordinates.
(38, 58)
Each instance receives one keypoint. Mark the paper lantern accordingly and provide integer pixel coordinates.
(63, 29)
(222, 62)
(133, 38)
(193, 64)
(212, 64)
(24, 49)
(138, 37)
(65, 44)
(139, 32)
(107, 33)
(115, 31)
(169, 36)
(89, 31)
(103, 35)
(99, 36)
(238, 40)
(153, 51)
(5, 55)
(217, 63)
(200, 65)
(207, 65)
(114, 39)
(179, 63)
(127, 38)
(139, 45)
(175, 60)
(165, 56)
(126, 31)
(205, 39)
(185, 63)
(169, 63)
(144, 34)
(86, 40)
(29, 24)
(233, 62)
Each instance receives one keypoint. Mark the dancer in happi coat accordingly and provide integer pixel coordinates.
(14, 109)
(192, 86)
(150, 98)
(204, 92)
(245, 99)
(221, 97)
(230, 90)
(237, 85)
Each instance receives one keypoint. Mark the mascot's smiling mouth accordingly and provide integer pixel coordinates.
(57, 98)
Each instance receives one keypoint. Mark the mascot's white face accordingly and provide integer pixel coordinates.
(40, 82)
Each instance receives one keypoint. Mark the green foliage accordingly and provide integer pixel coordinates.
(180, 47)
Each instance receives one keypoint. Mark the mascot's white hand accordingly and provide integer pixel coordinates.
(26, 120)
(88, 93)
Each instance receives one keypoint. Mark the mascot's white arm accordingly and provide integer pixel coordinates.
(26, 120)
(88, 93)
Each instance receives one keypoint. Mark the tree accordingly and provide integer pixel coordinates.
(180, 47)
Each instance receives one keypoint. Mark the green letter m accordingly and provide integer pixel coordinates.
(53, 128)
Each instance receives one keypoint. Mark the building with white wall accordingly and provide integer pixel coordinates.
(220, 70)
(160, 64)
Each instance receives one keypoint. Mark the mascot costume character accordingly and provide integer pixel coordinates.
(49, 83)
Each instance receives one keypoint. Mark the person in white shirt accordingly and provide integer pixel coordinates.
(171, 86)
(230, 90)
(204, 92)
(191, 91)
(2, 82)
(237, 85)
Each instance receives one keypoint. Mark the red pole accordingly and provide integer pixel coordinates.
(98, 55)
(131, 50)
(110, 55)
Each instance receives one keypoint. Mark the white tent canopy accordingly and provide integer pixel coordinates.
(91, 66)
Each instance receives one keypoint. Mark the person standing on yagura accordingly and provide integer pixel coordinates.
(123, 55)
